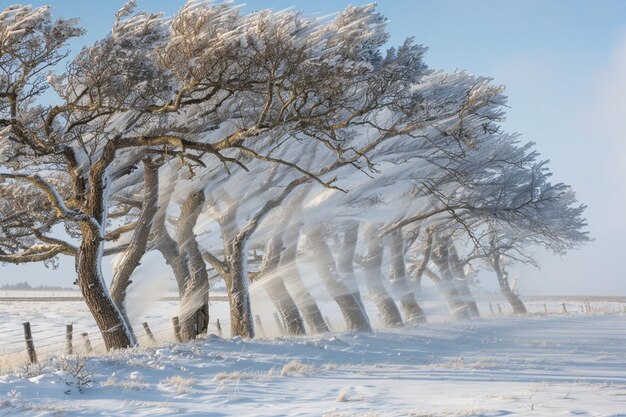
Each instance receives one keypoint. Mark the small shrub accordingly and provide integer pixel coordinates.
(295, 367)
(180, 383)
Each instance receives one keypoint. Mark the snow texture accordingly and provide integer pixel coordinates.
(552, 365)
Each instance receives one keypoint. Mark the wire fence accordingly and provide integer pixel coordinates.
(49, 338)
(46, 337)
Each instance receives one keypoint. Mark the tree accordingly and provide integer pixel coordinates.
(272, 116)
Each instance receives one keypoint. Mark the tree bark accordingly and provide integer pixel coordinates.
(372, 269)
(195, 299)
(139, 241)
(345, 259)
(274, 282)
(422, 265)
(115, 329)
(413, 313)
(274, 285)
(169, 247)
(450, 292)
(352, 311)
(241, 321)
(301, 295)
(505, 288)
(234, 270)
(462, 281)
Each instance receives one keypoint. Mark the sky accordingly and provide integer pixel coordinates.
(564, 67)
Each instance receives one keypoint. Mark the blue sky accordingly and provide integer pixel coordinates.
(564, 67)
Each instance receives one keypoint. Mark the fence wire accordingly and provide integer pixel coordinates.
(50, 338)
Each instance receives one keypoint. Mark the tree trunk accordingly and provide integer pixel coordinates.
(345, 259)
(234, 270)
(413, 313)
(428, 249)
(168, 247)
(115, 329)
(241, 322)
(422, 265)
(169, 250)
(353, 312)
(450, 292)
(275, 287)
(305, 302)
(462, 281)
(372, 269)
(139, 241)
(505, 288)
(195, 300)
(442, 286)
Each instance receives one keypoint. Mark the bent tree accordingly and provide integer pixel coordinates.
(279, 129)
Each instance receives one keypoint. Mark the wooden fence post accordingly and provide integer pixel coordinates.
(86, 342)
(69, 329)
(499, 309)
(176, 324)
(491, 308)
(545, 307)
(149, 332)
(30, 346)
(564, 308)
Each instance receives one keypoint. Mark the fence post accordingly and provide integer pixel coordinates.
(491, 308)
(564, 308)
(219, 327)
(149, 332)
(499, 309)
(545, 307)
(69, 329)
(176, 324)
(30, 346)
(86, 342)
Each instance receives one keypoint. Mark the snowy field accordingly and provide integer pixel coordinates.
(48, 319)
(540, 365)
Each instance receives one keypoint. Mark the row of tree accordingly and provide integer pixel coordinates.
(245, 147)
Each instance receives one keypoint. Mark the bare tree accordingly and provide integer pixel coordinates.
(372, 268)
(270, 115)
(413, 313)
(346, 295)
(139, 240)
(293, 279)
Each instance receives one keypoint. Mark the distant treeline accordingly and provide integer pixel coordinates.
(21, 286)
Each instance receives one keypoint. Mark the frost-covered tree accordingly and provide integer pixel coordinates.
(296, 136)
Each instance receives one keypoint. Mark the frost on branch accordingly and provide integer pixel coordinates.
(272, 151)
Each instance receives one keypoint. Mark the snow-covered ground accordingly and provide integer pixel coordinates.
(48, 319)
(539, 365)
